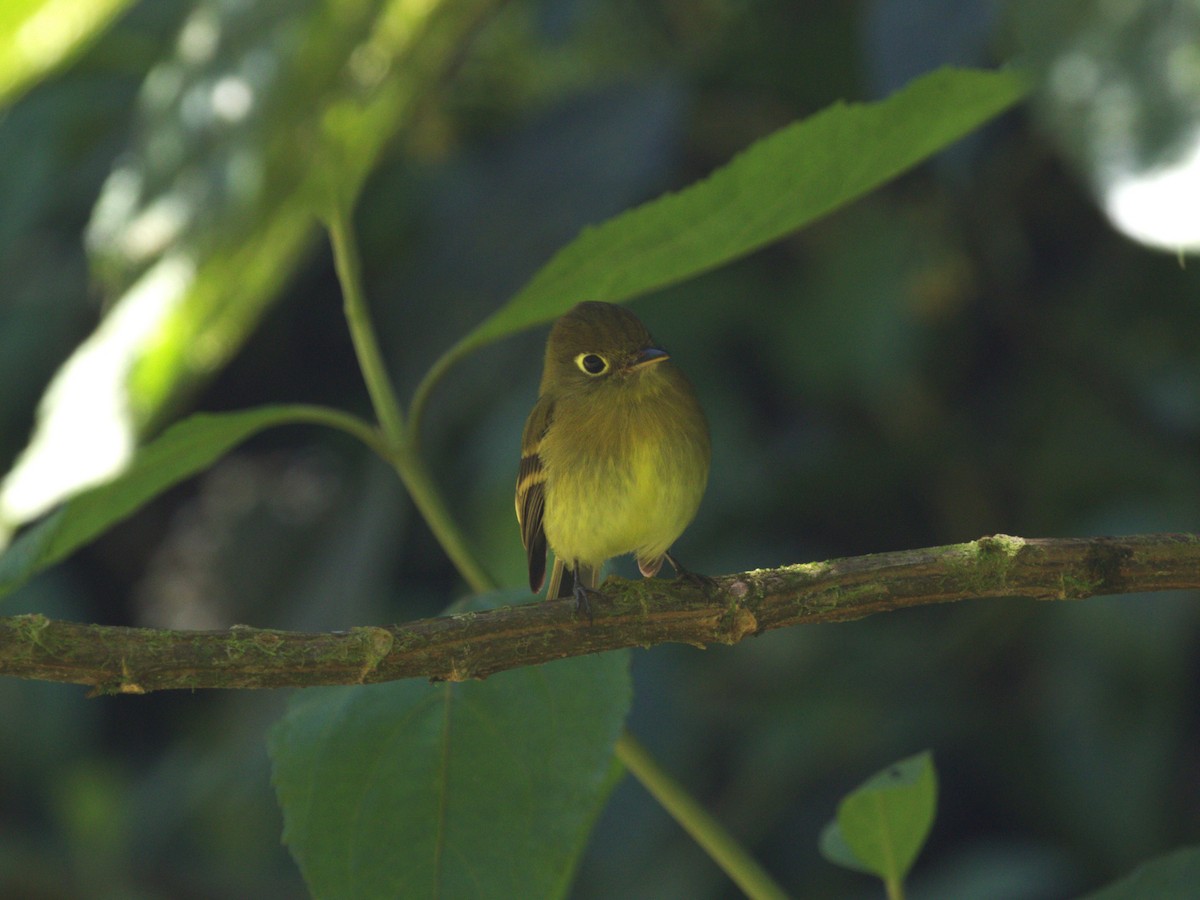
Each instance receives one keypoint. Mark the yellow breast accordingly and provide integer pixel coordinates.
(624, 479)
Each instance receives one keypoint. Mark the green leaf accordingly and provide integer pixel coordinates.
(334, 83)
(399, 64)
(37, 36)
(181, 451)
(295, 100)
(779, 184)
(1170, 877)
(475, 789)
(884, 823)
(834, 848)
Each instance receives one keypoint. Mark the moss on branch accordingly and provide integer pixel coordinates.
(632, 614)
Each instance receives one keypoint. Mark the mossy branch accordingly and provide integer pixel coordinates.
(633, 614)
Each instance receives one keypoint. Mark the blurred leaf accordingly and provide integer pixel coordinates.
(779, 184)
(202, 225)
(408, 49)
(1170, 877)
(37, 36)
(265, 112)
(210, 211)
(183, 450)
(472, 789)
(835, 849)
(1119, 91)
(883, 824)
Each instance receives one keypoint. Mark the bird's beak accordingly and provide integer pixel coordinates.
(648, 357)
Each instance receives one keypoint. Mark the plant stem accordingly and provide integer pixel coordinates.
(894, 888)
(362, 332)
(428, 499)
(347, 422)
(401, 450)
(704, 829)
(416, 409)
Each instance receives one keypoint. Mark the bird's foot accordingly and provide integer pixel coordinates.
(695, 579)
(582, 606)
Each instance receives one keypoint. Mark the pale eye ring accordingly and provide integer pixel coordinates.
(591, 364)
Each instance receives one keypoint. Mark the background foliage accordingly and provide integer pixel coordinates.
(971, 350)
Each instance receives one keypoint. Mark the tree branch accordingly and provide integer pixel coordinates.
(633, 614)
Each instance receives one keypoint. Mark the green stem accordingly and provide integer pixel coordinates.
(416, 409)
(362, 332)
(704, 829)
(350, 424)
(894, 888)
(400, 448)
(428, 499)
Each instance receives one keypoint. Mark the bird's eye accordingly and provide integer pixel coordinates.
(592, 363)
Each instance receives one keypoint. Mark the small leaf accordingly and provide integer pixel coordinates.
(1174, 876)
(779, 184)
(473, 789)
(884, 823)
(183, 450)
(834, 848)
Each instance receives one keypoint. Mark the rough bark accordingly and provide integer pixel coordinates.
(630, 614)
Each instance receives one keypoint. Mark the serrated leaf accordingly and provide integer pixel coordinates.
(474, 789)
(779, 184)
(1174, 876)
(181, 451)
(884, 823)
(37, 36)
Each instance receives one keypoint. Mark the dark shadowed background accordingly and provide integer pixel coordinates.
(973, 349)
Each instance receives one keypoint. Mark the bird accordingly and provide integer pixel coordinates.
(615, 454)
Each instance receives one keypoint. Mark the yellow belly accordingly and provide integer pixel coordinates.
(633, 491)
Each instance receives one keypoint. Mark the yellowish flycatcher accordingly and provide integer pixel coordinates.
(615, 455)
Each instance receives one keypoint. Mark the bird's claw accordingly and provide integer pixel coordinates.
(703, 582)
(582, 606)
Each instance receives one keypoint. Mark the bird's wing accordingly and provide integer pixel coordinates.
(531, 493)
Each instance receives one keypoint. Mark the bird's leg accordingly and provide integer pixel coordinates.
(582, 606)
(695, 578)
(584, 578)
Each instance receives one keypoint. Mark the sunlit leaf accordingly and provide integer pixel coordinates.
(257, 103)
(474, 789)
(262, 112)
(779, 184)
(408, 47)
(85, 433)
(881, 826)
(1171, 877)
(183, 450)
(37, 36)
